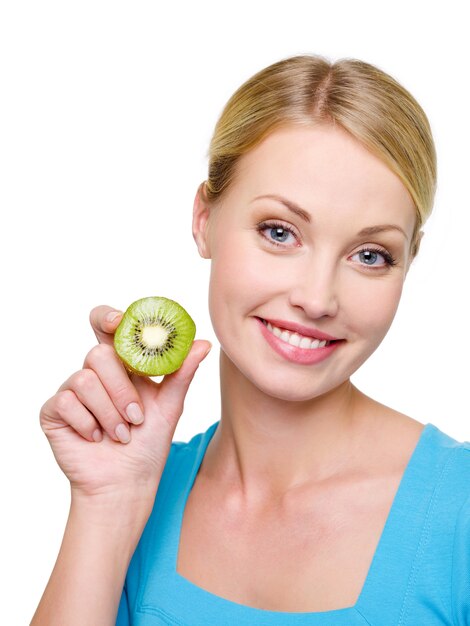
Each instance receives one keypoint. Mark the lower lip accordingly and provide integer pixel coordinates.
(304, 356)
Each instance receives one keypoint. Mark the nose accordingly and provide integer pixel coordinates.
(314, 289)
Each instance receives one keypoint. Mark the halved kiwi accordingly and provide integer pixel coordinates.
(154, 336)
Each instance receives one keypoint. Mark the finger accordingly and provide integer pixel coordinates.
(103, 359)
(104, 320)
(174, 386)
(89, 390)
(64, 409)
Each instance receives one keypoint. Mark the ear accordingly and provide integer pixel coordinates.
(416, 244)
(415, 248)
(201, 212)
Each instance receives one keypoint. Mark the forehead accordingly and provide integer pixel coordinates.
(324, 169)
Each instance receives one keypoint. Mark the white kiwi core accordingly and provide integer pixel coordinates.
(154, 336)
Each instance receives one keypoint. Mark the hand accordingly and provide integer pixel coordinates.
(111, 431)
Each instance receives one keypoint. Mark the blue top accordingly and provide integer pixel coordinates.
(420, 573)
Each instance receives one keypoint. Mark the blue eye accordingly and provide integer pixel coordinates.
(374, 257)
(369, 257)
(279, 234)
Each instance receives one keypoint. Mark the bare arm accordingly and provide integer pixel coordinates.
(86, 583)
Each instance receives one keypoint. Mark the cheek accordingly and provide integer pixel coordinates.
(235, 280)
(372, 305)
(238, 271)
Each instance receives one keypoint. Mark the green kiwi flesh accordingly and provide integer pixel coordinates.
(154, 336)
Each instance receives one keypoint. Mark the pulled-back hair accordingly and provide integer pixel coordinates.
(308, 89)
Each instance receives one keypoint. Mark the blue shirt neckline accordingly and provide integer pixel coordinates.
(383, 580)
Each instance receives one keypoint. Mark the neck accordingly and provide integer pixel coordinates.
(265, 447)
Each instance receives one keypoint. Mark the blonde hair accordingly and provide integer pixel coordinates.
(308, 89)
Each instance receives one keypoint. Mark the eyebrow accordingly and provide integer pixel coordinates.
(369, 230)
(373, 230)
(292, 206)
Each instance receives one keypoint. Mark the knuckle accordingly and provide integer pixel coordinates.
(84, 380)
(47, 404)
(99, 353)
(44, 410)
(184, 378)
(64, 401)
(123, 393)
(109, 418)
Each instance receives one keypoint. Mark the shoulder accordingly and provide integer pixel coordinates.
(461, 546)
(453, 457)
(445, 443)
(195, 446)
(437, 479)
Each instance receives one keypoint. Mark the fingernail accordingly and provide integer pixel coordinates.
(122, 433)
(112, 316)
(207, 351)
(134, 413)
(97, 435)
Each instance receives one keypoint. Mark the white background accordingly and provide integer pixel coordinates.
(107, 110)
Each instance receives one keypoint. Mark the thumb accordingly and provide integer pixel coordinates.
(174, 387)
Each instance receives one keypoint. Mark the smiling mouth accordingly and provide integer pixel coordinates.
(295, 339)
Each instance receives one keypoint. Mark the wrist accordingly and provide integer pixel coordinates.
(115, 509)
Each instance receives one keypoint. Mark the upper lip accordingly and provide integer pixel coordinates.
(300, 329)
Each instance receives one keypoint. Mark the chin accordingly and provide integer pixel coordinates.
(298, 395)
(294, 389)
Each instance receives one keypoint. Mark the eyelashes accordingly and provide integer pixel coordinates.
(390, 261)
(279, 228)
(368, 254)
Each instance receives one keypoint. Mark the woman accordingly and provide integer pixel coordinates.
(308, 502)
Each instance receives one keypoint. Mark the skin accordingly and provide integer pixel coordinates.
(111, 432)
(317, 278)
(302, 461)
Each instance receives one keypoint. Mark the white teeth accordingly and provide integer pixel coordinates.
(294, 339)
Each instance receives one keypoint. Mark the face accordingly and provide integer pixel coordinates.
(311, 244)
